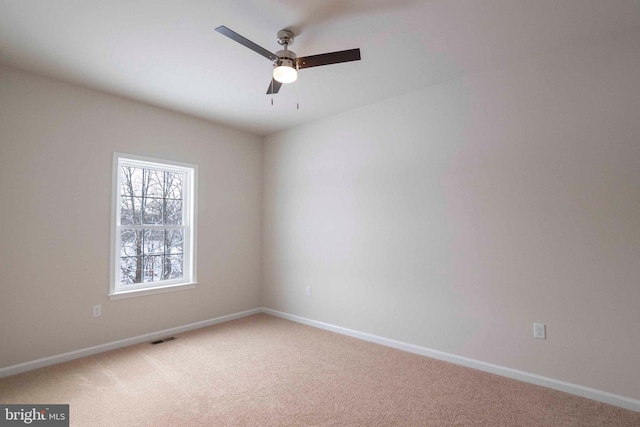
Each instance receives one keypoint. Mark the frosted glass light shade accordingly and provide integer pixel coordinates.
(285, 74)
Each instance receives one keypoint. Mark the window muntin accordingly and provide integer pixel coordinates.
(153, 242)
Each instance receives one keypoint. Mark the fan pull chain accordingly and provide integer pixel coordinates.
(272, 88)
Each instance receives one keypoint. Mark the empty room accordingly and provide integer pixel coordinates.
(320, 212)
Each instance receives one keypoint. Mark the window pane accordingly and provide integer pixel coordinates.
(173, 214)
(152, 268)
(153, 242)
(174, 183)
(130, 270)
(174, 242)
(154, 183)
(173, 267)
(130, 243)
(152, 211)
(130, 210)
(131, 179)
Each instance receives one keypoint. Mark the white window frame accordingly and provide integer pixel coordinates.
(189, 223)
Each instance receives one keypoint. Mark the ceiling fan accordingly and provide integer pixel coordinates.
(286, 63)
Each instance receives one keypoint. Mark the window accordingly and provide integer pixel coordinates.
(153, 233)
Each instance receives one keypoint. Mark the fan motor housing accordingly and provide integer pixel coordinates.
(286, 54)
(286, 58)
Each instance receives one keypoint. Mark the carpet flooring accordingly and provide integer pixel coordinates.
(266, 371)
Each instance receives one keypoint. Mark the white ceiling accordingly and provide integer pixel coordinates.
(166, 52)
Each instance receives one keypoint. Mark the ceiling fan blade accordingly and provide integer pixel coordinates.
(246, 42)
(329, 58)
(275, 85)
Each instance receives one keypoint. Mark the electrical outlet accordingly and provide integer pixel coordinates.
(308, 291)
(97, 310)
(540, 331)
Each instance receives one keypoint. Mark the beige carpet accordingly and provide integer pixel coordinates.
(266, 371)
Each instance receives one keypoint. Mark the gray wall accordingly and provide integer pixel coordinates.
(56, 145)
(456, 216)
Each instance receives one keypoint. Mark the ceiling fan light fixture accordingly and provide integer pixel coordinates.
(285, 72)
(285, 62)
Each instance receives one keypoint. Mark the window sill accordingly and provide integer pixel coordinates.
(159, 290)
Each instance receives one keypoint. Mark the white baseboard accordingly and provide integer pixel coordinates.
(578, 390)
(65, 357)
